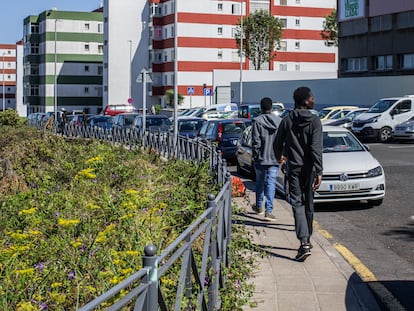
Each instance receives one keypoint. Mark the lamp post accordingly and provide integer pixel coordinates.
(175, 69)
(55, 78)
(4, 96)
(241, 52)
(130, 70)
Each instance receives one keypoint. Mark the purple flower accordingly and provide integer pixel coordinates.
(40, 266)
(48, 192)
(142, 176)
(82, 248)
(56, 214)
(115, 176)
(43, 306)
(71, 275)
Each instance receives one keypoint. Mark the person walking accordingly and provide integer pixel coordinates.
(264, 130)
(299, 142)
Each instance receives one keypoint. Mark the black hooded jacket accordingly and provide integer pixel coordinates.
(263, 137)
(299, 138)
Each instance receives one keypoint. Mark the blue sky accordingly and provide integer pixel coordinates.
(13, 12)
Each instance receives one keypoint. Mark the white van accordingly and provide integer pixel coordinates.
(379, 121)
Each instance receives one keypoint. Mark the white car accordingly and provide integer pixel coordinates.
(404, 130)
(350, 171)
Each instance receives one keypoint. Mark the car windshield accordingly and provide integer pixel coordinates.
(234, 127)
(340, 142)
(324, 112)
(158, 122)
(190, 125)
(382, 105)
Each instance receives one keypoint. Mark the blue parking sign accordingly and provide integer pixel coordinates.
(207, 92)
(190, 90)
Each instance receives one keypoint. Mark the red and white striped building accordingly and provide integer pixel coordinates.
(204, 34)
(8, 76)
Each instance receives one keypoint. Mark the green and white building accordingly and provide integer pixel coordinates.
(63, 61)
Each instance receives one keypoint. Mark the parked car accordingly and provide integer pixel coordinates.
(153, 123)
(346, 120)
(100, 122)
(189, 126)
(113, 110)
(219, 111)
(79, 119)
(404, 130)
(350, 171)
(251, 111)
(380, 120)
(225, 133)
(124, 121)
(328, 112)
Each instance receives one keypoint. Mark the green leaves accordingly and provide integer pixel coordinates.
(330, 29)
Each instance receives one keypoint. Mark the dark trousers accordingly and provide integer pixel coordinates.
(301, 199)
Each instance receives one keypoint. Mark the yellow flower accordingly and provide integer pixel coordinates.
(55, 284)
(28, 211)
(59, 298)
(131, 191)
(132, 253)
(25, 271)
(68, 222)
(38, 297)
(92, 206)
(25, 306)
(126, 271)
(163, 205)
(76, 243)
(126, 216)
(18, 236)
(114, 280)
(95, 159)
(34, 232)
(118, 262)
(87, 173)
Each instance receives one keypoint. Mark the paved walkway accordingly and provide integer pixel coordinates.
(325, 281)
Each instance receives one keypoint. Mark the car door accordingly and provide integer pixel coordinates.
(401, 112)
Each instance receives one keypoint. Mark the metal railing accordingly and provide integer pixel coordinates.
(201, 251)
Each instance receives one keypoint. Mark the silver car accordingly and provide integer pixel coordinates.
(350, 171)
(404, 130)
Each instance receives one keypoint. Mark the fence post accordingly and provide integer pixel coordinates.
(213, 288)
(149, 260)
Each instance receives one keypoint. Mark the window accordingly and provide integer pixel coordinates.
(283, 46)
(283, 2)
(100, 70)
(297, 1)
(220, 54)
(86, 26)
(283, 67)
(402, 107)
(86, 48)
(297, 22)
(86, 90)
(355, 64)
(297, 67)
(407, 61)
(383, 62)
(100, 28)
(220, 30)
(297, 45)
(284, 22)
(34, 48)
(86, 68)
(34, 28)
(100, 49)
(220, 7)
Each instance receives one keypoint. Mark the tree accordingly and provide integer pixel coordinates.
(169, 98)
(262, 33)
(330, 29)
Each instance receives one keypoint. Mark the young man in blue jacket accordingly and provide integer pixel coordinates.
(299, 139)
(266, 165)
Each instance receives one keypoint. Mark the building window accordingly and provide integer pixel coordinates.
(297, 45)
(297, 22)
(220, 30)
(297, 1)
(100, 28)
(283, 46)
(100, 49)
(34, 48)
(407, 61)
(220, 54)
(165, 80)
(86, 90)
(283, 67)
(86, 26)
(86, 68)
(297, 67)
(284, 22)
(165, 33)
(355, 64)
(383, 62)
(283, 2)
(86, 48)
(34, 28)
(100, 70)
(220, 7)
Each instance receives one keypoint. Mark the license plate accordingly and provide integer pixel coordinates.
(343, 187)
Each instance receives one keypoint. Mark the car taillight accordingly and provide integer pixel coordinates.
(248, 115)
(220, 132)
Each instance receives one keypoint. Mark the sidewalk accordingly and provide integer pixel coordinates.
(325, 281)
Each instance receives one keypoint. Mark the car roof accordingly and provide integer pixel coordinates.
(338, 107)
(332, 128)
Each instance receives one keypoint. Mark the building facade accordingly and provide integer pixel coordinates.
(8, 76)
(194, 38)
(63, 61)
(375, 38)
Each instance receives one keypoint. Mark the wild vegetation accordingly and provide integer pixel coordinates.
(77, 214)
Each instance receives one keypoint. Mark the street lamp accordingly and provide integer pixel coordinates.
(55, 79)
(4, 96)
(241, 52)
(175, 69)
(130, 69)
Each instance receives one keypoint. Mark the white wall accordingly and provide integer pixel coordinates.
(21, 109)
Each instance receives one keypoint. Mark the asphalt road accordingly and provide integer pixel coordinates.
(381, 237)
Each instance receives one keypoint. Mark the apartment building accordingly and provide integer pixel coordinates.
(376, 38)
(194, 38)
(8, 76)
(62, 61)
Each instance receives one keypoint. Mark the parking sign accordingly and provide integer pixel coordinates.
(207, 92)
(190, 90)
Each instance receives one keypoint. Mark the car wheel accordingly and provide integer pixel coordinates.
(375, 202)
(385, 134)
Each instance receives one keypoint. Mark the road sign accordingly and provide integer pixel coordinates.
(190, 90)
(207, 92)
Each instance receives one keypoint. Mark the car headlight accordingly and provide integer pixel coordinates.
(375, 172)
(409, 129)
(373, 119)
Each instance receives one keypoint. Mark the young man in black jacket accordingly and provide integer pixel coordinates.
(299, 139)
(265, 162)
